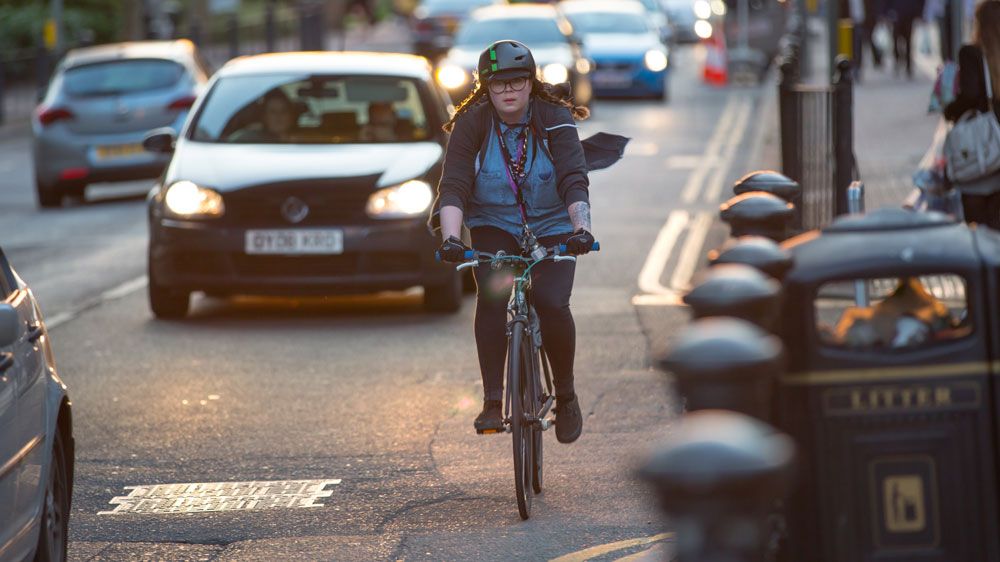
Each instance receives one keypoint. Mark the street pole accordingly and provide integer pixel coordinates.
(56, 9)
(833, 35)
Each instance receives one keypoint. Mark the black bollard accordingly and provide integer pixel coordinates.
(756, 251)
(758, 213)
(774, 183)
(726, 363)
(718, 478)
(736, 290)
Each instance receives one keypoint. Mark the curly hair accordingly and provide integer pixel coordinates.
(539, 89)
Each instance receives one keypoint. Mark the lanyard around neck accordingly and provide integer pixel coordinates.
(518, 170)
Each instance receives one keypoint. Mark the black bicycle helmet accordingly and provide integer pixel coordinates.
(504, 60)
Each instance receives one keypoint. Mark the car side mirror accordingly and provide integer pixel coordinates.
(9, 325)
(160, 140)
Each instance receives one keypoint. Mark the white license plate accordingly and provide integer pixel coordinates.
(305, 242)
(111, 152)
(612, 79)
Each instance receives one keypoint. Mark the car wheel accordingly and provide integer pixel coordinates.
(55, 512)
(168, 303)
(77, 192)
(48, 196)
(444, 298)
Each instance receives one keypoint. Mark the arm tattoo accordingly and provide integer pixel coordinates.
(579, 214)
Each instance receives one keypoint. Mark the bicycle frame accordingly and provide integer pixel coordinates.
(521, 316)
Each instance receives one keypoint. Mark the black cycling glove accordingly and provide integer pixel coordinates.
(580, 243)
(453, 250)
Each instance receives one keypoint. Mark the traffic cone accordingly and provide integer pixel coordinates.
(716, 65)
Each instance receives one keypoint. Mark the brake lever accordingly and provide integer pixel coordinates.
(467, 265)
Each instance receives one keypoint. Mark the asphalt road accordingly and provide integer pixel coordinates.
(369, 391)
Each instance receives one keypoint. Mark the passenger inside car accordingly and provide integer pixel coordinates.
(381, 125)
(275, 123)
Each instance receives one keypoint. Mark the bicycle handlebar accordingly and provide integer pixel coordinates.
(561, 252)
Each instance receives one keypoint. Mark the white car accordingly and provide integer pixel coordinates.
(36, 432)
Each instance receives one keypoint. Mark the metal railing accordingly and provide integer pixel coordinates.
(817, 131)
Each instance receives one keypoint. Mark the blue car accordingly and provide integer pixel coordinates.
(629, 58)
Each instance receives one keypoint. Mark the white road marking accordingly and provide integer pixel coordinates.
(714, 187)
(717, 160)
(220, 496)
(687, 262)
(656, 261)
(711, 154)
(683, 161)
(115, 293)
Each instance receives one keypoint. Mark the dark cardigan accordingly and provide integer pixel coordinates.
(971, 85)
(549, 121)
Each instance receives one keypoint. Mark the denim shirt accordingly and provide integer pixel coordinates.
(493, 202)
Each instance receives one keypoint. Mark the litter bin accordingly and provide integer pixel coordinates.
(758, 213)
(726, 363)
(756, 251)
(896, 435)
(718, 478)
(736, 290)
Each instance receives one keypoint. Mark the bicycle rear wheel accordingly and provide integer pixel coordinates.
(519, 389)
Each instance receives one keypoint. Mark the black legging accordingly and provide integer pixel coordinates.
(552, 283)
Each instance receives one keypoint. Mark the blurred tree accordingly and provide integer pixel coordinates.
(84, 22)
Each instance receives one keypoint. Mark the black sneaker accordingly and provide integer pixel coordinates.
(490, 420)
(569, 420)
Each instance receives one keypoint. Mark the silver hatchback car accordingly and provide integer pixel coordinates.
(36, 432)
(100, 103)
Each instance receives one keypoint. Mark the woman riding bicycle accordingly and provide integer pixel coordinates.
(516, 174)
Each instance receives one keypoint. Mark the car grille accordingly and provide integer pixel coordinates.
(295, 266)
(330, 202)
(197, 263)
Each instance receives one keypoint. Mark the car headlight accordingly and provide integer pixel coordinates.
(702, 9)
(656, 60)
(400, 201)
(703, 29)
(187, 200)
(451, 76)
(555, 73)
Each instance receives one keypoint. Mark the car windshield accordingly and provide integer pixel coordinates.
(608, 22)
(121, 77)
(530, 31)
(308, 109)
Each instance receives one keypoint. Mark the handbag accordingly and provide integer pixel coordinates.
(972, 147)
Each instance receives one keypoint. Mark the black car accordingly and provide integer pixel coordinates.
(303, 173)
(543, 28)
(434, 23)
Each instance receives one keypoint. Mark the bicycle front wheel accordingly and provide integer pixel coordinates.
(519, 389)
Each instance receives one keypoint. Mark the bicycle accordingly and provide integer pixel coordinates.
(526, 405)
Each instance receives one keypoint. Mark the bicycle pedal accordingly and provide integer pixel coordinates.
(488, 431)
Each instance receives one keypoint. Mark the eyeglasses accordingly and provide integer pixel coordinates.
(500, 86)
